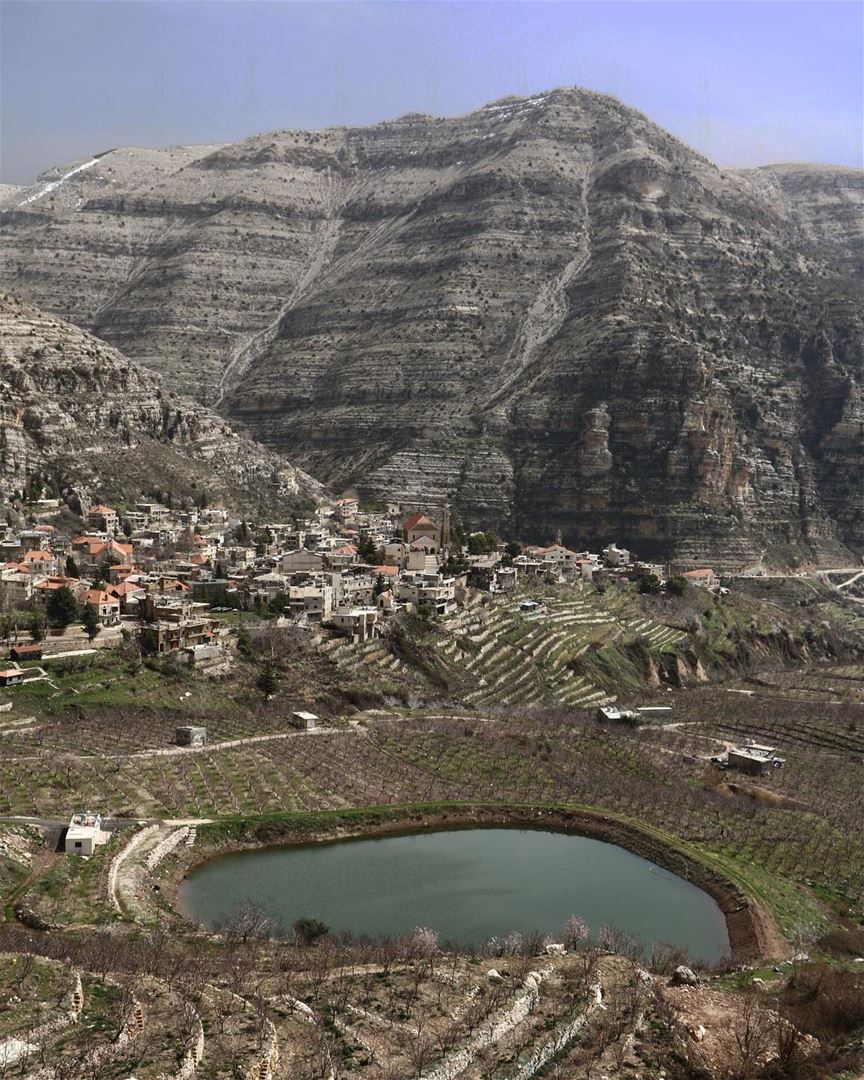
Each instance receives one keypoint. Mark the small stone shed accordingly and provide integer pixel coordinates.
(189, 735)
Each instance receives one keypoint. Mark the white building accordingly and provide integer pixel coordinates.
(504, 579)
(17, 586)
(615, 556)
(84, 833)
(554, 556)
(429, 588)
(357, 623)
(39, 562)
(306, 721)
(313, 601)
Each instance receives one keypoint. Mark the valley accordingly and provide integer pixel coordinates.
(431, 595)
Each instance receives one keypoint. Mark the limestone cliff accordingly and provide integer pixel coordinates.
(549, 309)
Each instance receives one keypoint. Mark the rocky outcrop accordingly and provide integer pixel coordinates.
(549, 310)
(825, 201)
(77, 416)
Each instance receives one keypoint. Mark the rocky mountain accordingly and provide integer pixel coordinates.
(825, 201)
(79, 419)
(549, 309)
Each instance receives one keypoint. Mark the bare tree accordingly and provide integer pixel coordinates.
(249, 921)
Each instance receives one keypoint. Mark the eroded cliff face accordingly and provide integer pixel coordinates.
(549, 310)
(825, 201)
(84, 419)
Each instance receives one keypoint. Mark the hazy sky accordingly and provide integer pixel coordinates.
(744, 82)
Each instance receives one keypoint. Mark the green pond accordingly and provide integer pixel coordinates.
(468, 885)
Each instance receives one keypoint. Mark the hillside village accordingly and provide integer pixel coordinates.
(161, 576)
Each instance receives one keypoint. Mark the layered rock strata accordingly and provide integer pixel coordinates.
(549, 310)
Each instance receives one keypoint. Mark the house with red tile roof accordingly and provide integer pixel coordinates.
(347, 508)
(14, 567)
(129, 594)
(419, 526)
(705, 578)
(172, 586)
(341, 556)
(107, 606)
(94, 549)
(39, 562)
(104, 518)
(554, 555)
(43, 588)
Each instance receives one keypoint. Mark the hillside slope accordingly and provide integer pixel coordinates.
(80, 418)
(549, 309)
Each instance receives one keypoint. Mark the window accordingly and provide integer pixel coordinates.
(79, 843)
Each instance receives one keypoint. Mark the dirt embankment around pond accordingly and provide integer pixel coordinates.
(753, 933)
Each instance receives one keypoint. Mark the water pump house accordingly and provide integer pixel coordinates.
(755, 759)
(306, 721)
(84, 833)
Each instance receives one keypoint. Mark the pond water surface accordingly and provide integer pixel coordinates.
(468, 885)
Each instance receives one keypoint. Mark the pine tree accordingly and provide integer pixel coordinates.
(366, 549)
(268, 681)
(37, 626)
(62, 607)
(92, 622)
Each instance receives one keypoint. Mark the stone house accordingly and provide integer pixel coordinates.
(704, 578)
(420, 560)
(396, 553)
(315, 601)
(302, 560)
(103, 518)
(107, 606)
(419, 526)
(43, 588)
(129, 594)
(17, 586)
(39, 562)
(615, 556)
(529, 566)
(504, 579)
(554, 556)
(270, 585)
(416, 589)
(386, 602)
(346, 509)
(357, 623)
(342, 557)
(153, 511)
(94, 551)
(164, 636)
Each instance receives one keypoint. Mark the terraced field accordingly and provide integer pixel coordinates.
(267, 1011)
(494, 654)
